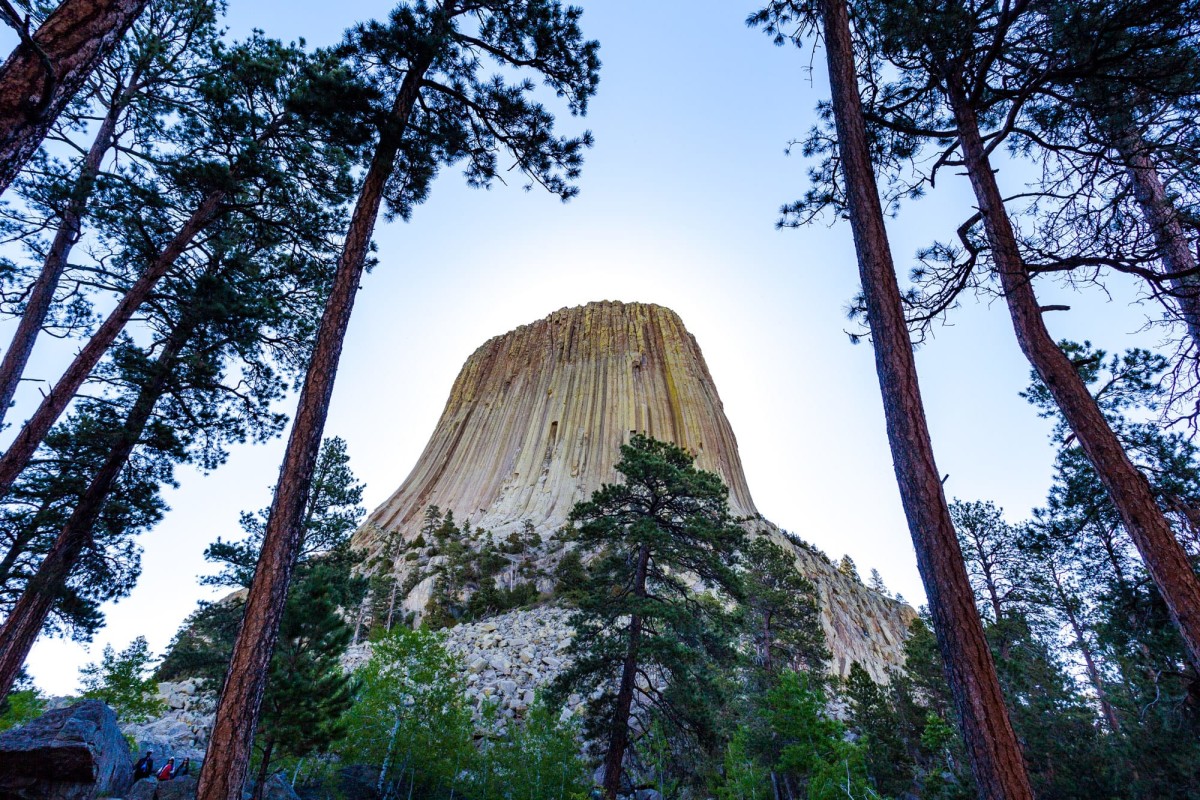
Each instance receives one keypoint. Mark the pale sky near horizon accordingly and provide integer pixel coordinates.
(677, 207)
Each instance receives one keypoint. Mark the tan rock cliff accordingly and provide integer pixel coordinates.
(534, 424)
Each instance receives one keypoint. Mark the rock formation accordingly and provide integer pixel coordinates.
(535, 421)
(71, 753)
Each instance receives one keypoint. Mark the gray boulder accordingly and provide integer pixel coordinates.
(177, 789)
(72, 753)
(145, 789)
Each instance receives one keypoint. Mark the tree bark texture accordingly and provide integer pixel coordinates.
(42, 293)
(25, 622)
(1128, 489)
(1177, 259)
(996, 758)
(618, 736)
(229, 746)
(16, 458)
(40, 77)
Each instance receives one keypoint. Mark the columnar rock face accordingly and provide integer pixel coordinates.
(534, 424)
(536, 418)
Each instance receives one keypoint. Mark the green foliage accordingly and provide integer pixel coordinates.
(665, 526)
(813, 751)
(331, 516)
(537, 759)
(783, 615)
(124, 681)
(409, 716)
(19, 707)
(307, 693)
(743, 777)
(570, 577)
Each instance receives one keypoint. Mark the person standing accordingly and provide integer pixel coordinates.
(168, 770)
(144, 768)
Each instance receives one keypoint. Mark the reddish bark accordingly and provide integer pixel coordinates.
(42, 293)
(28, 615)
(1128, 489)
(229, 747)
(45, 71)
(58, 398)
(1178, 262)
(991, 743)
(618, 735)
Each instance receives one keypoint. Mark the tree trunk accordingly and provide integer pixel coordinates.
(618, 736)
(42, 74)
(1159, 213)
(42, 294)
(237, 711)
(1106, 708)
(1128, 489)
(263, 768)
(56, 401)
(995, 756)
(25, 622)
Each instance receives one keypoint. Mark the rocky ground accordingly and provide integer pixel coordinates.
(507, 658)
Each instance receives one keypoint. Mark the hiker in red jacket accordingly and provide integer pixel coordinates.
(168, 770)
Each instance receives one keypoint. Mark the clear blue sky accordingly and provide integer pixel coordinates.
(678, 203)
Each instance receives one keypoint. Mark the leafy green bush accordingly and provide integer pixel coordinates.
(124, 681)
(20, 707)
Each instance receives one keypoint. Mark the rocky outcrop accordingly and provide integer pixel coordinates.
(536, 418)
(182, 730)
(505, 659)
(71, 753)
(534, 424)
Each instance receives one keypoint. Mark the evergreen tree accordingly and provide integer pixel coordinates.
(227, 320)
(848, 185)
(133, 92)
(432, 106)
(307, 692)
(782, 609)
(949, 90)
(643, 634)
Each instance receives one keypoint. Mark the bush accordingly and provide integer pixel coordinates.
(124, 681)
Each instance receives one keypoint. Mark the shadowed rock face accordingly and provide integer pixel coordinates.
(534, 424)
(72, 753)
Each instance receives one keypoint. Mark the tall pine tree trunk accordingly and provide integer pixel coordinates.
(25, 622)
(995, 755)
(1128, 489)
(16, 458)
(46, 71)
(1178, 262)
(37, 308)
(618, 730)
(236, 719)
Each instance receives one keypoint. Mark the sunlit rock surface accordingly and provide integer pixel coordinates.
(534, 424)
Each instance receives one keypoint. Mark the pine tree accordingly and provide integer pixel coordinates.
(49, 66)
(133, 91)
(307, 692)
(783, 611)
(995, 753)
(958, 97)
(433, 107)
(640, 615)
(231, 315)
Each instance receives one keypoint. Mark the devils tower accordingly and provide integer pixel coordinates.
(535, 421)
